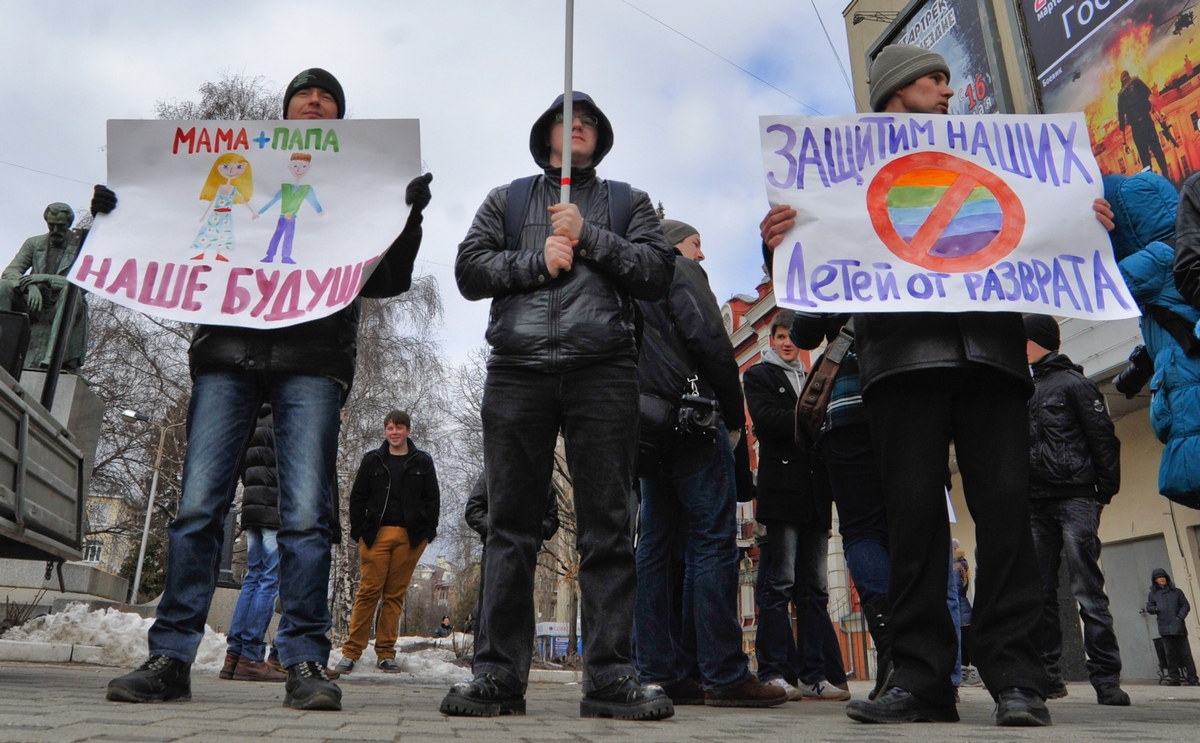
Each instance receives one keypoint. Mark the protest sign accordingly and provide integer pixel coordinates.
(923, 213)
(256, 224)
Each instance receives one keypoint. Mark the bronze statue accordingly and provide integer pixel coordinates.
(34, 283)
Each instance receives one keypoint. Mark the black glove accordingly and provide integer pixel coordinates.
(417, 194)
(103, 200)
(1135, 376)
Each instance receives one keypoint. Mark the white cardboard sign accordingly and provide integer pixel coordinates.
(249, 223)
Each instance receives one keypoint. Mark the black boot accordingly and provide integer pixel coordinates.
(159, 679)
(485, 696)
(898, 705)
(876, 611)
(628, 699)
(309, 688)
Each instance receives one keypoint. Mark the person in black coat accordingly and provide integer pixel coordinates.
(1171, 608)
(1074, 469)
(795, 505)
(394, 507)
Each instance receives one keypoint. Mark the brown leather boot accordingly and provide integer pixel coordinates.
(231, 661)
(256, 670)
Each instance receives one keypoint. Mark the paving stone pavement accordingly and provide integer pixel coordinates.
(65, 704)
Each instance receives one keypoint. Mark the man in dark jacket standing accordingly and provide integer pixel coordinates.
(794, 504)
(564, 356)
(689, 495)
(1074, 471)
(929, 379)
(304, 371)
(1171, 608)
(394, 507)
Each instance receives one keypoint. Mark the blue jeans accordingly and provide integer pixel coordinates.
(221, 417)
(793, 567)
(697, 488)
(955, 614)
(256, 602)
(1072, 523)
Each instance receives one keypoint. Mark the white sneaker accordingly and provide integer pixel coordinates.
(824, 691)
(793, 694)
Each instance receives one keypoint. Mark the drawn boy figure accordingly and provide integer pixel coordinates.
(292, 198)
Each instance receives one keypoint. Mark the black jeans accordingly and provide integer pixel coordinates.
(862, 517)
(596, 408)
(1073, 523)
(914, 416)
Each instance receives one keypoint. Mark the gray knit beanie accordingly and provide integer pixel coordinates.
(898, 65)
(677, 231)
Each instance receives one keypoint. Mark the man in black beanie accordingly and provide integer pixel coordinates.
(930, 379)
(304, 372)
(1074, 471)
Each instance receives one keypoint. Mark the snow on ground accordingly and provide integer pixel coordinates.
(121, 636)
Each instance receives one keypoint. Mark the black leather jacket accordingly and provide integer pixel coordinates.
(1073, 447)
(894, 343)
(586, 314)
(325, 347)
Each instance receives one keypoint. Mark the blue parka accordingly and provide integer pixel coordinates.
(1144, 206)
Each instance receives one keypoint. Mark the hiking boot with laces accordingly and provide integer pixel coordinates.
(1111, 695)
(309, 688)
(159, 679)
(483, 696)
(628, 699)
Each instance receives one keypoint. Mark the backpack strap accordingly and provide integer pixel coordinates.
(620, 206)
(520, 192)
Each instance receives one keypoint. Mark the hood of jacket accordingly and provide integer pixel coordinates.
(539, 135)
(1053, 362)
(1160, 573)
(1144, 207)
(793, 369)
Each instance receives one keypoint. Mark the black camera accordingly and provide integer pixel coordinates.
(698, 416)
(1137, 374)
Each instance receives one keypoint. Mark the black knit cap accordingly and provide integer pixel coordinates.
(315, 77)
(1043, 330)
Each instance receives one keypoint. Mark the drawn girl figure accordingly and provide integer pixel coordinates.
(229, 182)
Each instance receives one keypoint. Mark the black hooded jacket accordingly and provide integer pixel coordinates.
(1073, 447)
(418, 491)
(584, 315)
(1168, 604)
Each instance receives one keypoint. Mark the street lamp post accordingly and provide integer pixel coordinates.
(132, 416)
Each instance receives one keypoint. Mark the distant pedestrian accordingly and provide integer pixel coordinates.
(1171, 607)
(394, 507)
(245, 657)
(445, 629)
(962, 576)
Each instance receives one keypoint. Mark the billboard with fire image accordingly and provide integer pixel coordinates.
(1127, 65)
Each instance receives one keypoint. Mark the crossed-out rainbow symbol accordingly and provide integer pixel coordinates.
(943, 213)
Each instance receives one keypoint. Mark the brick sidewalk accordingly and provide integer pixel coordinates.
(65, 703)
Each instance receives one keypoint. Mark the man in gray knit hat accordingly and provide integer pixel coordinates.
(929, 379)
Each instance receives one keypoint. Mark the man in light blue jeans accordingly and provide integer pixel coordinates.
(255, 607)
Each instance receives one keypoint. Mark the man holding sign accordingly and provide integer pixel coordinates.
(562, 278)
(929, 379)
(304, 371)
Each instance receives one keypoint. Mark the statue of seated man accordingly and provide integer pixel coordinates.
(35, 283)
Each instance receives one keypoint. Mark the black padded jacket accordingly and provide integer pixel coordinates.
(260, 493)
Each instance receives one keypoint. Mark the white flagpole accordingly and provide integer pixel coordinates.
(568, 107)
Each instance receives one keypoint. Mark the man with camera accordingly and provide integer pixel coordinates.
(691, 395)
(1074, 471)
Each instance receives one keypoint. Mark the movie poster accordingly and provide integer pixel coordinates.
(954, 29)
(1128, 67)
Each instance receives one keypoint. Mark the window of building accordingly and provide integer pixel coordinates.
(92, 550)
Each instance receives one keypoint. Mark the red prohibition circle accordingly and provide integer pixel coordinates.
(970, 175)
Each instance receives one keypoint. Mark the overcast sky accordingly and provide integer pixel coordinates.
(475, 72)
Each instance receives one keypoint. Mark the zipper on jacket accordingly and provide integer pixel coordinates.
(387, 495)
